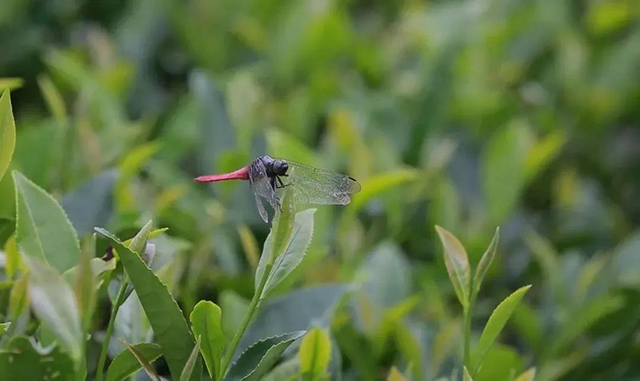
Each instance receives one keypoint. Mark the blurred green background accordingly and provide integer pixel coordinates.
(470, 115)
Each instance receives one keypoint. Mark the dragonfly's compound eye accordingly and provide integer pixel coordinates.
(280, 167)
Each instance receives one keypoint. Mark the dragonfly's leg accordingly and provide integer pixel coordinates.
(281, 184)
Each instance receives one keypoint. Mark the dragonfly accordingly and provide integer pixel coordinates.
(268, 176)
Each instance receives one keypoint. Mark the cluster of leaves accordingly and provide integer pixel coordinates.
(462, 114)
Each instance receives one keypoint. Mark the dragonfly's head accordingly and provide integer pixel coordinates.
(280, 167)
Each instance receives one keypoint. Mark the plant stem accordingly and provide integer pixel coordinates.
(253, 308)
(107, 338)
(468, 313)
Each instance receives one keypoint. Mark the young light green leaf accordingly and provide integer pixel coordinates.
(206, 323)
(260, 357)
(19, 297)
(144, 363)
(4, 327)
(457, 263)
(293, 253)
(395, 375)
(19, 360)
(7, 132)
(465, 374)
(43, 230)
(528, 375)
(187, 372)
(381, 183)
(485, 263)
(84, 287)
(315, 353)
(139, 241)
(166, 318)
(126, 363)
(54, 304)
(11, 83)
(283, 225)
(496, 323)
(54, 99)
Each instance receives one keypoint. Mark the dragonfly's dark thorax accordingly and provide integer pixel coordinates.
(274, 167)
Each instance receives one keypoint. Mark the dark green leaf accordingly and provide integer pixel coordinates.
(20, 360)
(260, 357)
(144, 363)
(126, 363)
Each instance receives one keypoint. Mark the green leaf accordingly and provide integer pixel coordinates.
(465, 374)
(187, 372)
(4, 327)
(542, 153)
(283, 225)
(11, 83)
(503, 172)
(315, 353)
(495, 324)
(260, 357)
(7, 132)
(138, 243)
(144, 363)
(19, 298)
(54, 303)
(168, 323)
(43, 230)
(528, 375)
(501, 363)
(296, 310)
(206, 322)
(54, 99)
(84, 287)
(293, 254)
(91, 203)
(457, 263)
(395, 375)
(125, 364)
(485, 263)
(381, 183)
(20, 360)
(579, 320)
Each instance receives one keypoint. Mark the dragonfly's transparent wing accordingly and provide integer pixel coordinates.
(261, 186)
(261, 209)
(318, 186)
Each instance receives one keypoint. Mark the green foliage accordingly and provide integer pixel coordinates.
(460, 114)
(126, 363)
(170, 327)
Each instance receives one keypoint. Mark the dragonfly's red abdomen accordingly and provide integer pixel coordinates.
(240, 174)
